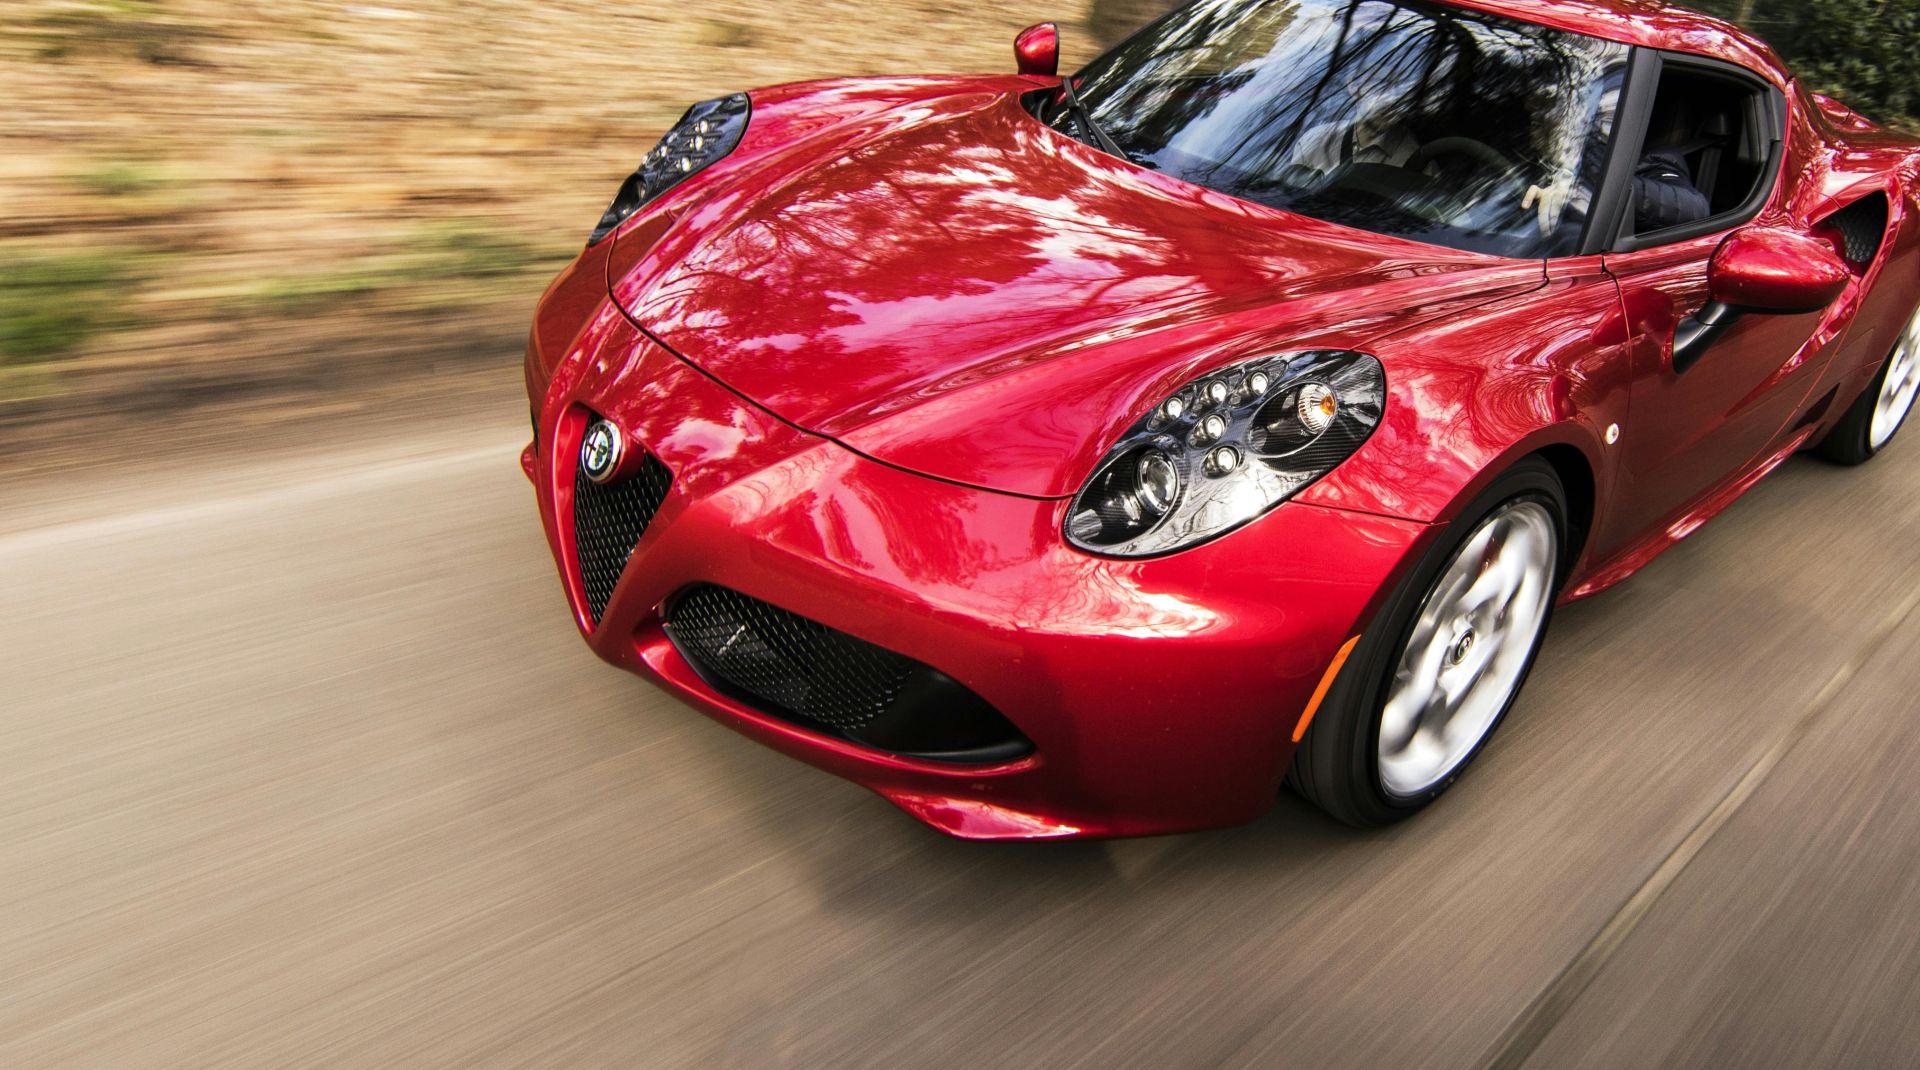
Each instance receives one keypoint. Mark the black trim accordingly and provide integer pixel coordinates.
(834, 684)
(608, 521)
(1615, 196)
(1862, 228)
(1085, 114)
(1818, 410)
(1697, 333)
(1769, 114)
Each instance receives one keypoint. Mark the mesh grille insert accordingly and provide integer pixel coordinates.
(1861, 227)
(607, 521)
(787, 660)
(826, 680)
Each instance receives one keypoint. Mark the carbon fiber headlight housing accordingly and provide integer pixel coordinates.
(703, 137)
(1227, 449)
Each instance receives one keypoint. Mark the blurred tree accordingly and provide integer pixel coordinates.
(1864, 52)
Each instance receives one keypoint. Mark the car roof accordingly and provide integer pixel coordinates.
(1649, 24)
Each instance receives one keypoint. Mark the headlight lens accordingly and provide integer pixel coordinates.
(703, 136)
(1225, 449)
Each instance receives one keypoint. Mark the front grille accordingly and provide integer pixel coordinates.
(607, 521)
(785, 659)
(805, 672)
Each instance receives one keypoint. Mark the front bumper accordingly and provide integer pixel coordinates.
(1160, 696)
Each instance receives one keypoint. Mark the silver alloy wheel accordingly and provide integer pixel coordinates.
(1898, 388)
(1469, 649)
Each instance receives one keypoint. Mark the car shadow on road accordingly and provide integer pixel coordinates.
(868, 858)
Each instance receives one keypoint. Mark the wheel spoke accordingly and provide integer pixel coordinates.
(1501, 578)
(1468, 648)
(1899, 386)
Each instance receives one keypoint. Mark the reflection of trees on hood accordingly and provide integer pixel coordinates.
(876, 251)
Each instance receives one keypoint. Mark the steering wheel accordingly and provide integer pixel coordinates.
(1490, 166)
(1478, 151)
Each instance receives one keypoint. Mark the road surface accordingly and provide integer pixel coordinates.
(303, 764)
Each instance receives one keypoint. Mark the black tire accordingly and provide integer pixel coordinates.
(1337, 766)
(1851, 440)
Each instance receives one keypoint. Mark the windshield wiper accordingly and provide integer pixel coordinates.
(1087, 123)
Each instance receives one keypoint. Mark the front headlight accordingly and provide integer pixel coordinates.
(703, 137)
(1225, 449)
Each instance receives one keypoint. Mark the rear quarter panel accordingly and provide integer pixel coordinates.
(1840, 158)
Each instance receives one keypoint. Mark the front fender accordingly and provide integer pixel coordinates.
(1470, 396)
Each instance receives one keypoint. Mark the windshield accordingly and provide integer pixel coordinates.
(1408, 119)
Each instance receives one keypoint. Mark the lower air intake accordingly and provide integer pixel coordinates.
(807, 673)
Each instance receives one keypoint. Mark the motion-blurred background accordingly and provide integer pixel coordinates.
(302, 761)
(215, 205)
(210, 205)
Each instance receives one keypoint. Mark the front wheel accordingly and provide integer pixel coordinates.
(1882, 408)
(1443, 664)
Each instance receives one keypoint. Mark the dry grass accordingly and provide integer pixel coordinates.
(305, 177)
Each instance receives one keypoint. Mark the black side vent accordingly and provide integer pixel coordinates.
(830, 682)
(1819, 410)
(1861, 228)
(607, 522)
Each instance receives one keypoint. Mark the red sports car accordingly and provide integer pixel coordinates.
(1094, 456)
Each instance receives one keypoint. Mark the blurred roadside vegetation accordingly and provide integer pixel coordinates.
(209, 199)
(211, 204)
(53, 302)
(1866, 53)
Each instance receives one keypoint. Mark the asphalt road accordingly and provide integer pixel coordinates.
(302, 763)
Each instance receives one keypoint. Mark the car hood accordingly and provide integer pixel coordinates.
(947, 285)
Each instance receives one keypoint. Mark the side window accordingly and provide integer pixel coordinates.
(1709, 155)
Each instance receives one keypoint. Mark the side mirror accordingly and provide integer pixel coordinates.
(1037, 50)
(1761, 269)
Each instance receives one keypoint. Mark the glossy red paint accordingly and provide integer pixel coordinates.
(1113, 669)
(1765, 269)
(1037, 50)
(1081, 273)
(1696, 441)
(883, 342)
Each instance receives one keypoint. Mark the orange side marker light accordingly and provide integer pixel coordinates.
(1326, 685)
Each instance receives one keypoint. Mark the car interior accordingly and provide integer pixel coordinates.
(1719, 125)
